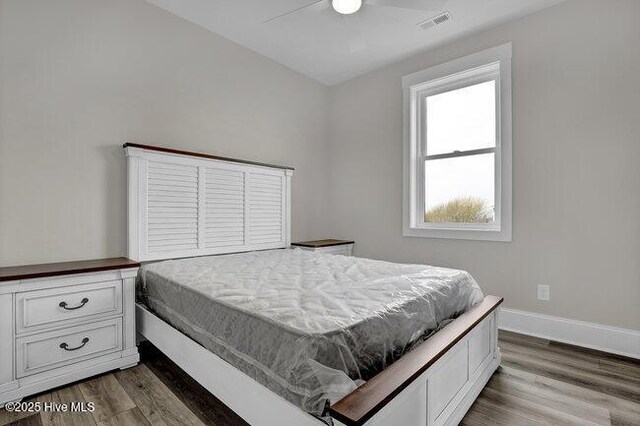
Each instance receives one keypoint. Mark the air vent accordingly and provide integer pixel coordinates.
(436, 20)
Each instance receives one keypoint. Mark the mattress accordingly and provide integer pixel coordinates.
(310, 327)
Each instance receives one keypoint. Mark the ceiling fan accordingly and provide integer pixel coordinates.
(350, 7)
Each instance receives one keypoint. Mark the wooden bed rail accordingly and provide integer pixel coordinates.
(361, 404)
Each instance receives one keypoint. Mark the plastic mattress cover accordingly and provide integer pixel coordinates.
(311, 327)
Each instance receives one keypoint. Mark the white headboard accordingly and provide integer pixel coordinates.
(184, 204)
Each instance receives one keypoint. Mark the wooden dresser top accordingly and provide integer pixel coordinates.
(322, 243)
(14, 273)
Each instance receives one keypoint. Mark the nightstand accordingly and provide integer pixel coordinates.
(329, 246)
(63, 322)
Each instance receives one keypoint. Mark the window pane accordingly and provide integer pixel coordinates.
(462, 119)
(460, 189)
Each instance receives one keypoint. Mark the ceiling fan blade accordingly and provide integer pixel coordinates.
(316, 6)
(410, 4)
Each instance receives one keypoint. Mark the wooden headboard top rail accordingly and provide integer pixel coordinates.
(364, 402)
(202, 155)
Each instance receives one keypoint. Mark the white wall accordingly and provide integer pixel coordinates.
(576, 143)
(80, 77)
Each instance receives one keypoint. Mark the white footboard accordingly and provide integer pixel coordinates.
(437, 382)
(443, 394)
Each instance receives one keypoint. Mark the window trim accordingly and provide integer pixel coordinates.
(488, 65)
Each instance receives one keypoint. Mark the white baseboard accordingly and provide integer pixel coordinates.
(605, 338)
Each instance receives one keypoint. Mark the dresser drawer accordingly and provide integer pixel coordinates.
(43, 351)
(343, 249)
(61, 306)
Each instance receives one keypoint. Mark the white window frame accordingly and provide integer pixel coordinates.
(492, 64)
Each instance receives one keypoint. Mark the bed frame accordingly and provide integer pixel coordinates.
(184, 204)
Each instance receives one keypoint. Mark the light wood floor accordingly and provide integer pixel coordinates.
(539, 382)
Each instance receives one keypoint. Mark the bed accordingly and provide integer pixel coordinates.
(285, 336)
(308, 326)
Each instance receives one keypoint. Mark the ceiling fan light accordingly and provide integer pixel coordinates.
(346, 7)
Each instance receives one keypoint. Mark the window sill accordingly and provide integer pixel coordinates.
(459, 234)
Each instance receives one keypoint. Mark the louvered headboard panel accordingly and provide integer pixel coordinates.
(172, 207)
(185, 204)
(266, 209)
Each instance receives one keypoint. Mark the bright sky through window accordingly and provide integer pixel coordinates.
(460, 121)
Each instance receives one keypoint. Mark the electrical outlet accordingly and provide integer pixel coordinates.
(544, 292)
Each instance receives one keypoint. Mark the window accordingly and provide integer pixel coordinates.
(458, 148)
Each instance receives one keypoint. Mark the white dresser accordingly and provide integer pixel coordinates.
(328, 246)
(63, 322)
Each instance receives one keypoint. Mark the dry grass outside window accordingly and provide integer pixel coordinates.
(461, 210)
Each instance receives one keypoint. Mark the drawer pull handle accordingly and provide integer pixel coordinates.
(83, 302)
(66, 347)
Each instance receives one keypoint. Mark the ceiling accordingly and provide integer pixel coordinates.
(333, 48)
